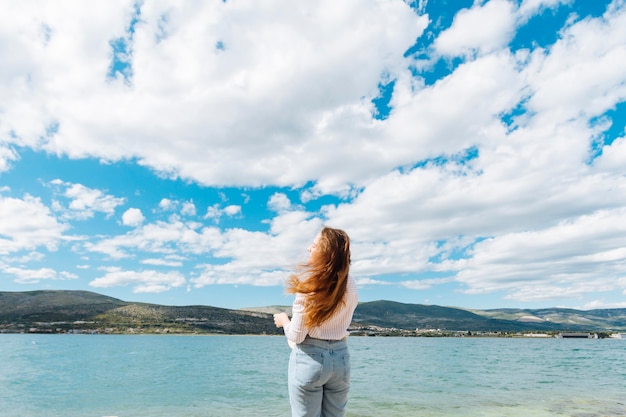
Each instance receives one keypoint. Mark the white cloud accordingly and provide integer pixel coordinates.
(163, 238)
(601, 304)
(255, 94)
(230, 275)
(132, 217)
(459, 112)
(258, 258)
(215, 212)
(27, 224)
(580, 76)
(26, 258)
(530, 7)
(53, 53)
(567, 260)
(189, 209)
(162, 262)
(7, 156)
(483, 28)
(530, 178)
(424, 284)
(232, 210)
(34, 276)
(272, 55)
(613, 158)
(142, 281)
(166, 204)
(279, 202)
(361, 282)
(85, 201)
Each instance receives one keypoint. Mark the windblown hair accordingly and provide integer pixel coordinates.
(324, 277)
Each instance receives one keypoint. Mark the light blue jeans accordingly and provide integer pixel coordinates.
(319, 378)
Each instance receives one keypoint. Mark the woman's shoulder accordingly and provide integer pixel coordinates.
(351, 291)
(351, 283)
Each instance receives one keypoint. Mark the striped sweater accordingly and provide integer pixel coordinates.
(335, 328)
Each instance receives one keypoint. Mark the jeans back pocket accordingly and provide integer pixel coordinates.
(308, 367)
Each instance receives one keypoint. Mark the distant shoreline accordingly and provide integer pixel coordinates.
(359, 334)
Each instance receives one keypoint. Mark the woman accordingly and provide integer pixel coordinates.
(319, 365)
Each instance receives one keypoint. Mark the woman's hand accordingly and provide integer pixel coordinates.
(281, 319)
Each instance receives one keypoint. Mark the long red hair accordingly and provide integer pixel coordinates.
(324, 277)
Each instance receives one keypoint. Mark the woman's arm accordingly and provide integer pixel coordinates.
(294, 328)
(281, 320)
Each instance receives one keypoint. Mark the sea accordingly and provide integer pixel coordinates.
(239, 376)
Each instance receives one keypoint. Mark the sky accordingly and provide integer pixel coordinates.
(189, 152)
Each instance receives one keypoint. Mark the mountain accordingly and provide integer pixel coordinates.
(407, 316)
(603, 319)
(390, 314)
(44, 306)
(84, 311)
(416, 316)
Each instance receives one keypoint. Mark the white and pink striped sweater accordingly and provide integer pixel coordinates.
(335, 328)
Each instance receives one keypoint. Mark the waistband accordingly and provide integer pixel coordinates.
(324, 343)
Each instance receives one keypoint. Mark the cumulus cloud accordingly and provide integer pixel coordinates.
(258, 258)
(141, 281)
(216, 211)
(34, 276)
(27, 224)
(213, 212)
(231, 275)
(579, 78)
(162, 238)
(498, 174)
(424, 284)
(529, 8)
(470, 34)
(232, 210)
(176, 77)
(85, 201)
(25, 258)
(189, 209)
(279, 202)
(555, 262)
(7, 155)
(613, 157)
(132, 217)
(166, 204)
(172, 262)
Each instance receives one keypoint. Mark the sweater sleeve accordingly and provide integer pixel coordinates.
(295, 330)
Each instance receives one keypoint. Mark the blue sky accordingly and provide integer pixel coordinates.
(185, 154)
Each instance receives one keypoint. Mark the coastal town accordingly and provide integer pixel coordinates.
(189, 326)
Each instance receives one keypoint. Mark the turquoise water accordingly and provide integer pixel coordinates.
(187, 376)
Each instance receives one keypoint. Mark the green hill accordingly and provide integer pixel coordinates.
(601, 319)
(80, 311)
(84, 311)
(417, 316)
(45, 306)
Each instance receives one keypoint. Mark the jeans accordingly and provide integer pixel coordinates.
(319, 378)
